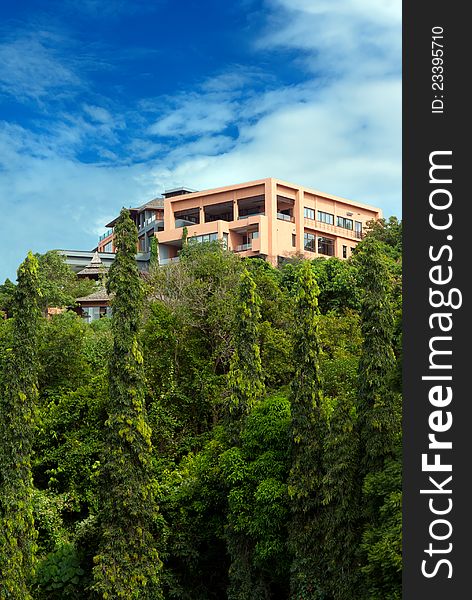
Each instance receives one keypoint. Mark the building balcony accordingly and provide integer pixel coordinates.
(244, 247)
(168, 261)
(105, 235)
(333, 229)
(283, 217)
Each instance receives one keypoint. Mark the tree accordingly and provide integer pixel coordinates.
(256, 474)
(7, 295)
(127, 563)
(17, 425)
(307, 433)
(59, 285)
(379, 410)
(246, 385)
(245, 378)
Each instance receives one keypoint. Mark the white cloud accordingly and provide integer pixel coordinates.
(338, 130)
(195, 115)
(29, 69)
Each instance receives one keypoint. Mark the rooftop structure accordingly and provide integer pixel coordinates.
(95, 269)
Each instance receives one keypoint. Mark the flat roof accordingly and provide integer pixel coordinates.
(189, 196)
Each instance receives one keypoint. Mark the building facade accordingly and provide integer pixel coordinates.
(148, 218)
(268, 218)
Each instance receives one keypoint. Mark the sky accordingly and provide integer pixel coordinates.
(105, 104)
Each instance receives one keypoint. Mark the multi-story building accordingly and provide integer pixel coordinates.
(149, 218)
(268, 218)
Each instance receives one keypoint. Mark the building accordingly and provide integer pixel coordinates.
(94, 306)
(95, 269)
(97, 304)
(267, 218)
(148, 218)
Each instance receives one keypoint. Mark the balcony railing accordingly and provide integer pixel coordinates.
(243, 247)
(167, 261)
(283, 217)
(252, 215)
(340, 231)
(105, 235)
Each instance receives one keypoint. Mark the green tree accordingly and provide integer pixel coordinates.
(307, 432)
(59, 285)
(61, 353)
(154, 252)
(379, 412)
(17, 424)
(379, 409)
(245, 377)
(7, 295)
(127, 563)
(246, 385)
(258, 508)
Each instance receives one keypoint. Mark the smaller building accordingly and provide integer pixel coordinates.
(94, 306)
(95, 269)
(97, 304)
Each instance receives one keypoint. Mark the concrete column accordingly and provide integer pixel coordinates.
(271, 213)
(202, 214)
(235, 208)
(299, 220)
(169, 219)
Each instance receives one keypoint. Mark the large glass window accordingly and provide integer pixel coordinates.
(358, 229)
(309, 213)
(345, 223)
(325, 217)
(326, 246)
(309, 242)
(208, 237)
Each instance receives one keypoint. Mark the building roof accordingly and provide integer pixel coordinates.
(95, 267)
(151, 204)
(99, 295)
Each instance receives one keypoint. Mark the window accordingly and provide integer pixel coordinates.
(345, 223)
(309, 213)
(352, 249)
(225, 241)
(358, 229)
(344, 251)
(294, 240)
(326, 246)
(325, 217)
(108, 247)
(199, 239)
(309, 242)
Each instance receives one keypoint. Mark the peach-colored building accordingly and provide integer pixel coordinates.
(268, 218)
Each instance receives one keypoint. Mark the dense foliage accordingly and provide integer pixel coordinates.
(18, 394)
(233, 431)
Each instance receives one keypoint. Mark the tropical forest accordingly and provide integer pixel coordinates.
(232, 430)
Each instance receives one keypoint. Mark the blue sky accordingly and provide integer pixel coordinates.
(105, 104)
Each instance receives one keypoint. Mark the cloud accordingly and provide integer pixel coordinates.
(54, 201)
(30, 69)
(336, 129)
(339, 130)
(215, 105)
